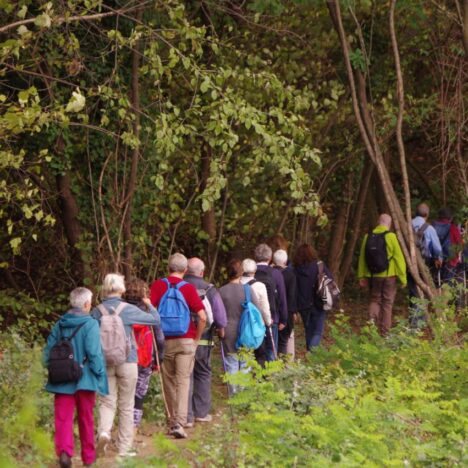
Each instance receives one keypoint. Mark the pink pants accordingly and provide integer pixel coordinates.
(64, 415)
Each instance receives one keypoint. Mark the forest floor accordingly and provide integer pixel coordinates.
(148, 441)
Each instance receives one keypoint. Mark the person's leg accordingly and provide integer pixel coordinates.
(64, 410)
(318, 321)
(232, 366)
(308, 326)
(291, 346)
(272, 342)
(108, 404)
(283, 338)
(388, 297)
(260, 353)
(85, 401)
(127, 375)
(144, 375)
(201, 399)
(184, 361)
(375, 305)
(169, 378)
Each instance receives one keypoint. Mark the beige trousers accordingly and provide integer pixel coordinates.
(179, 358)
(122, 385)
(291, 346)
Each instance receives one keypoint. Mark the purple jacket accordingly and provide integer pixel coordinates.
(281, 315)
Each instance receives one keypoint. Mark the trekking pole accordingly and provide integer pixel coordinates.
(272, 343)
(166, 407)
(224, 364)
(439, 278)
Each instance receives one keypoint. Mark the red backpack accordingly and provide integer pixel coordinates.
(144, 342)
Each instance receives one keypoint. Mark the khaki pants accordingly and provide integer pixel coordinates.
(382, 295)
(179, 358)
(122, 385)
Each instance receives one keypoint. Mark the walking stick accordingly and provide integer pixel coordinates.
(272, 343)
(166, 407)
(439, 279)
(224, 364)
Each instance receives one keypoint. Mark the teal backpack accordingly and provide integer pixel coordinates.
(251, 326)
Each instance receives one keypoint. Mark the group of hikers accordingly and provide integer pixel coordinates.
(170, 328)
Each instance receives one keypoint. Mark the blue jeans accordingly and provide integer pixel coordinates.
(314, 324)
(234, 365)
(270, 351)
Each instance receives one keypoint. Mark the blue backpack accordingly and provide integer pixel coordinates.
(174, 311)
(443, 233)
(251, 326)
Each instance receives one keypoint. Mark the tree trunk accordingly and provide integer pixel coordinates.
(362, 114)
(130, 191)
(347, 260)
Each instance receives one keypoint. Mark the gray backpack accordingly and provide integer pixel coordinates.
(115, 343)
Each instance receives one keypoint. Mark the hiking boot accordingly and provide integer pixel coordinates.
(188, 424)
(207, 418)
(102, 443)
(65, 460)
(178, 432)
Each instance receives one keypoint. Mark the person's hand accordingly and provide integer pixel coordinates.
(363, 282)
(296, 318)
(438, 263)
(146, 300)
(281, 326)
(221, 333)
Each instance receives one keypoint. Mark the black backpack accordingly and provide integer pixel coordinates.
(376, 252)
(265, 277)
(62, 365)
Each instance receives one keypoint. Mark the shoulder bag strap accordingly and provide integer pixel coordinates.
(102, 309)
(120, 307)
(247, 293)
(77, 329)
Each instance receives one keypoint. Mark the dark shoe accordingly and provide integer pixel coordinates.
(178, 432)
(65, 460)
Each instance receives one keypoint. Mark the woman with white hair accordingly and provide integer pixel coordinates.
(122, 377)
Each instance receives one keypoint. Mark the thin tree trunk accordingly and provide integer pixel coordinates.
(366, 176)
(135, 99)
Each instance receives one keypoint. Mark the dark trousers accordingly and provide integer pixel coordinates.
(314, 324)
(417, 309)
(382, 296)
(284, 334)
(271, 343)
(200, 384)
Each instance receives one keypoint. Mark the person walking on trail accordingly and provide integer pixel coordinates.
(136, 294)
(286, 336)
(306, 270)
(78, 391)
(173, 295)
(381, 263)
(233, 295)
(428, 244)
(274, 282)
(116, 318)
(452, 245)
(200, 383)
(249, 268)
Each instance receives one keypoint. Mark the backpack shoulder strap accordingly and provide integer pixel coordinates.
(320, 267)
(247, 293)
(252, 281)
(102, 309)
(179, 285)
(423, 228)
(120, 307)
(77, 329)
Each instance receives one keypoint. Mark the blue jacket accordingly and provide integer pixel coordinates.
(431, 239)
(86, 343)
(130, 315)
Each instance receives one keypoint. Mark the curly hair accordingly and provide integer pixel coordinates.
(234, 269)
(305, 254)
(137, 289)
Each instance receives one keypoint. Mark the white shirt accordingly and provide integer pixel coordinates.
(262, 295)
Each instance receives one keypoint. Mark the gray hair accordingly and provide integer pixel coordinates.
(263, 253)
(177, 263)
(195, 266)
(79, 297)
(249, 266)
(113, 283)
(422, 210)
(280, 257)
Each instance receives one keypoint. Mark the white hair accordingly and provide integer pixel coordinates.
(263, 253)
(79, 297)
(177, 263)
(195, 266)
(280, 257)
(249, 266)
(113, 283)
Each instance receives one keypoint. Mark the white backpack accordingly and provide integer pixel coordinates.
(115, 343)
(203, 295)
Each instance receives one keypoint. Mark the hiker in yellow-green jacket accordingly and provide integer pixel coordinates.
(381, 262)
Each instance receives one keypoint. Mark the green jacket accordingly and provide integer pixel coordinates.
(397, 263)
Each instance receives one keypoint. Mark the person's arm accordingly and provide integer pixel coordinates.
(201, 324)
(398, 258)
(219, 313)
(135, 316)
(363, 272)
(93, 350)
(434, 244)
(264, 304)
